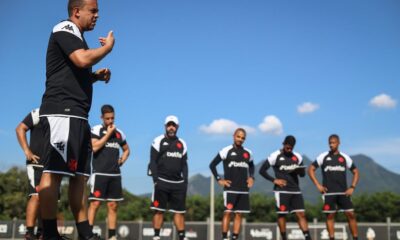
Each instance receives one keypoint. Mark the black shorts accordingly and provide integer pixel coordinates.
(169, 196)
(105, 187)
(34, 172)
(337, 202)
(289, 202)
(236, 202)
(67, 146)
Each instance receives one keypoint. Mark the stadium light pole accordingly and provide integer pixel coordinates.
(211, 237)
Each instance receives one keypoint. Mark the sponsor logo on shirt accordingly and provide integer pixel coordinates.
(165, 144)
(281, 159)
(68, 27)
(288, 167)
(335, 169)
(174, 154)
(112, 145)
(238, 164)
(233, 154)
(329, 159)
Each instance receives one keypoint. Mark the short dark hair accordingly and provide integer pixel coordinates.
(290, 140)
(107, 108)
(74, 4)
(240, 130)
(334, 136)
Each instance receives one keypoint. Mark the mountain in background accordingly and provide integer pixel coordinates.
(373, 178)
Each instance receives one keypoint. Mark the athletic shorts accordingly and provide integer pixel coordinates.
(334, 202)
(67, 146)
(236, 202)
(289, 202)
(106, 187)
(34, 172)
(169, 196)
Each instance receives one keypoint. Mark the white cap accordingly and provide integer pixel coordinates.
(171, 118)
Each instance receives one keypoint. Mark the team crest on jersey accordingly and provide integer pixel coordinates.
(179, 145)
(246, 155)
(341, 160)
(118, 135)
(294, 158)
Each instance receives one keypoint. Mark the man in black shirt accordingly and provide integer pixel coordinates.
(34, 167)
(287, 165)
(169, 170)
(64, 112)
(336, 194)
(238, 179)
(105, 180)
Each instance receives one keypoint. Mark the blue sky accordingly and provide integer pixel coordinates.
(307, 68)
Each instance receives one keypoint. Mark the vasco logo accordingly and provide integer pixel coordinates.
(238, 164)
(60, 146)
(69, 28)
(174, 154)
(335, 169)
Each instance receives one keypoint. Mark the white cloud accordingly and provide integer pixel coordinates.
(307, 107)
(224, 126)
(383, 101)
(271, 125)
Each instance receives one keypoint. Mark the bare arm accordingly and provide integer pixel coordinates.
(125, 154)
(356, 177)
(85, 58)
(98, 144)
(23, 142)
(311, 173)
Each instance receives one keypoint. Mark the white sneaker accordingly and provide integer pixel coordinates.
(156, 238)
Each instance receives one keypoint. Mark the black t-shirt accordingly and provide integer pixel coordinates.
(105, 160)
(36, 133)
(334, 168)
(168, 159)
(237, 162)
(284, 166)
(68, 87)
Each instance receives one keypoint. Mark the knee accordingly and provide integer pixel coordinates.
(159, 213)
(95, 204)
(330, 216)
(351, 215)
(301, 215)
(113, 206)
(238, 215)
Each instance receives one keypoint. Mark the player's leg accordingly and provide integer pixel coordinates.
(112, 218)
(92, 212)
(237, 221)
(159, 201)
(226, 219)
(345, 204)
(177, 203)
(32, 209)
(282, 209)
(297, 206)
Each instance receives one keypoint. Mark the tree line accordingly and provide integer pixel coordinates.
(375, 207)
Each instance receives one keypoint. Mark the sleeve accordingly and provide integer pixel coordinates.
(349, 162)
(96, 131)
(68, 37)
(122, 139)
(185, 168)
(152, 171)
(251, 164)
(272, 157)
(213, 166)
(264, 171)
(320, 160)
(32, 119)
